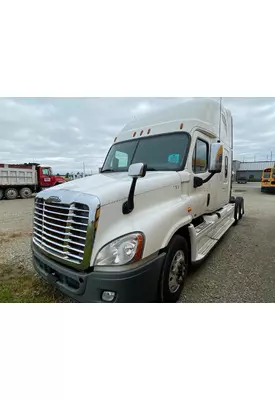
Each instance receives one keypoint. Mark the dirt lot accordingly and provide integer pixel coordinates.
(240, 269)
(242, 266)
(18, 282)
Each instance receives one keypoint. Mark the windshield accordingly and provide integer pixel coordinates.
(266, 175)
(160, 153)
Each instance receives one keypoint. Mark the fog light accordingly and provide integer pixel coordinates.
(108, 296)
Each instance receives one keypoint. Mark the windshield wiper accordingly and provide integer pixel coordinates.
(108, 170)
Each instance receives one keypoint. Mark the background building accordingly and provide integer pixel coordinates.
(250, 170)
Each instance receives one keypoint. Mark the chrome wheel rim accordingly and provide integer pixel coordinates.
(177, 270)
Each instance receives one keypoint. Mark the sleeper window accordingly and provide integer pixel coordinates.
(226, 167)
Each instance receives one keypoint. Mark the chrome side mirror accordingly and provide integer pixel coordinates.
(216, 156)
(137, 170)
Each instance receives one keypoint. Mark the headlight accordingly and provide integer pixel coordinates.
(124, 250)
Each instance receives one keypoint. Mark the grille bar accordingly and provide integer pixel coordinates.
(57, 244)
(59, 226)
(56, 213)
(61, 229)
(68, 240)
(66, 255)
(61, 220)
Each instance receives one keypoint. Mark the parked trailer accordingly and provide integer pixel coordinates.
(160, 203)
(25, 179)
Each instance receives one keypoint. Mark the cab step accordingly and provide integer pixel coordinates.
(205, 236)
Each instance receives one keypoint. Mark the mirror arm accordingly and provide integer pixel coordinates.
(209, 177)
(128, 206)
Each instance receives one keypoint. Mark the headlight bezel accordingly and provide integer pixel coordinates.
(137, 256)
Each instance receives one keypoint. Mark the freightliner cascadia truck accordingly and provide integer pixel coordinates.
(161, 202)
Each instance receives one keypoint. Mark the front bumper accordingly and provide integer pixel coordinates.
(268, 189)
(133, 286)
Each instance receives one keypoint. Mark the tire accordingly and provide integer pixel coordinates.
(11, 193)
(1, 194)
(177, 258)
(25, 193)
(237, 211)
(241, 201)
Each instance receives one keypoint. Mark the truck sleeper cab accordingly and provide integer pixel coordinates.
(160, 204)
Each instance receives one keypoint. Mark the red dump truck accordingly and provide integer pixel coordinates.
(25, 179)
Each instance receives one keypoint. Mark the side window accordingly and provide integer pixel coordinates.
(45, 171)
(200, 157)
(226, 167)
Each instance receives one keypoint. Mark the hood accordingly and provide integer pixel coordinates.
(112, 187)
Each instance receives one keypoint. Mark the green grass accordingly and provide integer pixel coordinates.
(26, 288)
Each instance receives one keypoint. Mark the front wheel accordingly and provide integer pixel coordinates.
(174, 270)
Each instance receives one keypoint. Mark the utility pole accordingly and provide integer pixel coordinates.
(84, 170)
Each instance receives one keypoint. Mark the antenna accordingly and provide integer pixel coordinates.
(220, 119)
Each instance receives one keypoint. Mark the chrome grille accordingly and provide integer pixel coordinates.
(61, 229)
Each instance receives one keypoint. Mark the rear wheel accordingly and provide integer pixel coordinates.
(174, 270)
(11, 193)
(238, 210)
(241, 201)
(25, 193)
(1, 194)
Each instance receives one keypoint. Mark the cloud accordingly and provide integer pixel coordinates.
(65, 132)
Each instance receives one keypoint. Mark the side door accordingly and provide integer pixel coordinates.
(45, 177)
(200, 163)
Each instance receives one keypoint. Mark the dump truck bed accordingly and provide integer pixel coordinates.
(17, 175)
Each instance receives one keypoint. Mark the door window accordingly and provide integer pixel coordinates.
(200, 157)
(45, 171)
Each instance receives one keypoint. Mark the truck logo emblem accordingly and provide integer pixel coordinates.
(53, 199)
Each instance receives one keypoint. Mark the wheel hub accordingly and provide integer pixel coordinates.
(177, 270)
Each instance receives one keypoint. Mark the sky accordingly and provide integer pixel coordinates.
(65, 132)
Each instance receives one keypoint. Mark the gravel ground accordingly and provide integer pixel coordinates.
(241, 268)
(15, 233)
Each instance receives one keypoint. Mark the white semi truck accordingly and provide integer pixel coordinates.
(159, 205)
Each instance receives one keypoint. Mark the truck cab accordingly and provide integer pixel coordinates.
(160, 203)
(46, 178)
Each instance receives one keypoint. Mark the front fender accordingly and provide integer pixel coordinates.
(159, 229)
